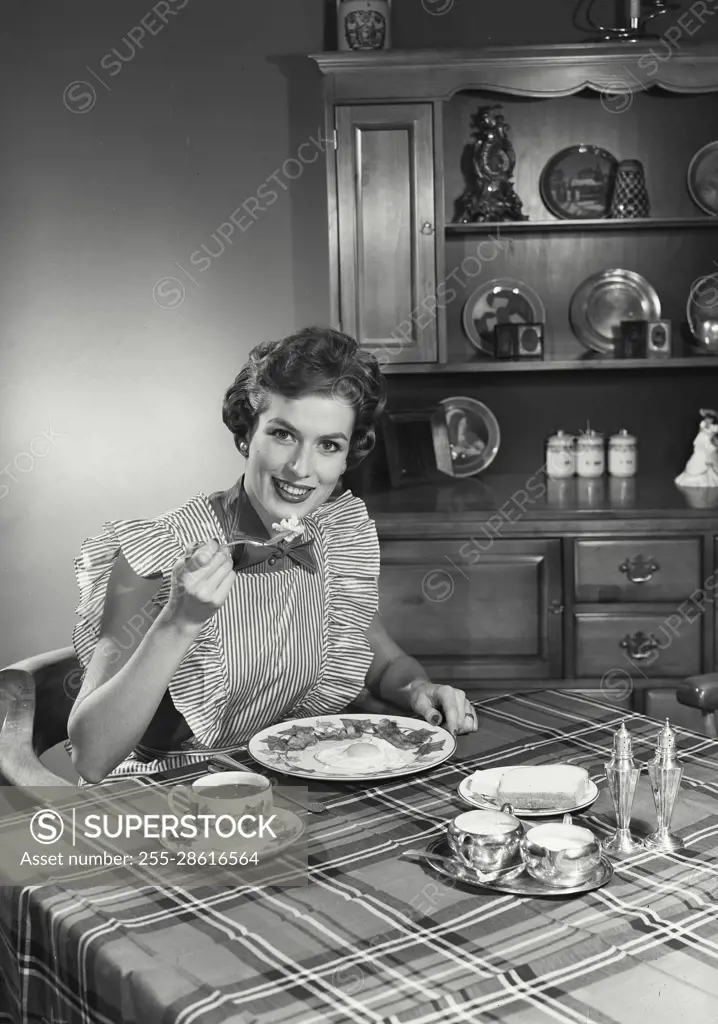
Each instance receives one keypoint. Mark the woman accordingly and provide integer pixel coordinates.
(192, 641)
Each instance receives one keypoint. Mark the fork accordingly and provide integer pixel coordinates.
(218, 762)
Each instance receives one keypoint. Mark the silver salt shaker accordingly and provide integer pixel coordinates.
(622, 778)
(665, 771)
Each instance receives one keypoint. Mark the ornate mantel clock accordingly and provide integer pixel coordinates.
(490, 194)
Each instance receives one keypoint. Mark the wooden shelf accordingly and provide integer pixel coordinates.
(524, 227)
(506, 366)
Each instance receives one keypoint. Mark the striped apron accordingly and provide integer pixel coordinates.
(285, 644)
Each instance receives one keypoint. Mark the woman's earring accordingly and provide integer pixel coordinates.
(244, 448)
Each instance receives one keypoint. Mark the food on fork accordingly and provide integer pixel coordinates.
(291, 527)
(541, 787)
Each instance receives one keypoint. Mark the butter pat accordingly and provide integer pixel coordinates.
(541, 787)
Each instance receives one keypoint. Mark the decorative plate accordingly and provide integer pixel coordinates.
(474, 435)
(703, 178)
(502, 301)
(521, 884)
(354, 748)
(603, 300)
(702, 313)
(487, 798)
(577, 183)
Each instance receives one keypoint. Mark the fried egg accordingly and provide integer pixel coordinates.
(370, 754)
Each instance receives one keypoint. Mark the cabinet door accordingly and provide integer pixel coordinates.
(498, 618)
(387, 237)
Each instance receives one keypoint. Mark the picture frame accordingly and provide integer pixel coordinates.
(417, 446)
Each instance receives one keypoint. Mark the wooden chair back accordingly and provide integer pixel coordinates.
(36, 696)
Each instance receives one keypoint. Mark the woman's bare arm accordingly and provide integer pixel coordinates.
(139, 650)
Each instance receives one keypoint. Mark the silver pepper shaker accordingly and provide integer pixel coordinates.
(622, 778)
(665, 771)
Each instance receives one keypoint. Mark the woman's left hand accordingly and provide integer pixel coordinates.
(433, 701)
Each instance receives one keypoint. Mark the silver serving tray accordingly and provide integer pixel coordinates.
(603, 300)
(521, 884)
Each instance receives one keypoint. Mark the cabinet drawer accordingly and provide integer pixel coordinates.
(491, 618)
(636, 570)
(639, 645)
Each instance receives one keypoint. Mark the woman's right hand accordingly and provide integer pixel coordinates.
(201, 581)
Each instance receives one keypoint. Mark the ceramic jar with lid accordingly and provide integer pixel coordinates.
(560, 456)
(364, 24)
(590, 454)
(622, 454)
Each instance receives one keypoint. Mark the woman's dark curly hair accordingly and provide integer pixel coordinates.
(313, 361)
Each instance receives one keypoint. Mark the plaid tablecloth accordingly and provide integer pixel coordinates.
(375, 938)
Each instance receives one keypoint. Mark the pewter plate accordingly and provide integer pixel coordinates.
(703, 178)
(603, 300)
(522, 884)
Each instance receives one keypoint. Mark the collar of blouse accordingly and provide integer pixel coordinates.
(239, 518)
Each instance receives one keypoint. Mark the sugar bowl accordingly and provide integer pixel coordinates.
(561, 855)
(486, 841)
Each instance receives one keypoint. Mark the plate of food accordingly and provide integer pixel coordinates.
(356, 748)
(577, 183)
(534, 791)
(502, 301)
(703, 178)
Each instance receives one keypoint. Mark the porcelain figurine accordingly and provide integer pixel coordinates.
(702, 467)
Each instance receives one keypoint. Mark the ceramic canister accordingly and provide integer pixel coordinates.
(560, 456)
(364, 24)
(622, 454)
(590, 454)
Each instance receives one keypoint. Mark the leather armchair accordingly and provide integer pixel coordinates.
(36, 696)
(702, 692)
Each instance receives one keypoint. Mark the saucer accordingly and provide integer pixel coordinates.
(520, 883)
(289, 827)
(487, 799)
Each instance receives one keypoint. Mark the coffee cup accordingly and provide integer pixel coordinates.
(486, 841)
(232, 793)
(561, 855)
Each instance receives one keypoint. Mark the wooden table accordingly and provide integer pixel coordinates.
(374, 938)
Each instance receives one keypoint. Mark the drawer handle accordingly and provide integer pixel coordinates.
(427, 228)
(639, 647)
(556, 608)
(639, 569)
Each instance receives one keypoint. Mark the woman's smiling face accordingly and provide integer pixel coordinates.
(297, 453)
